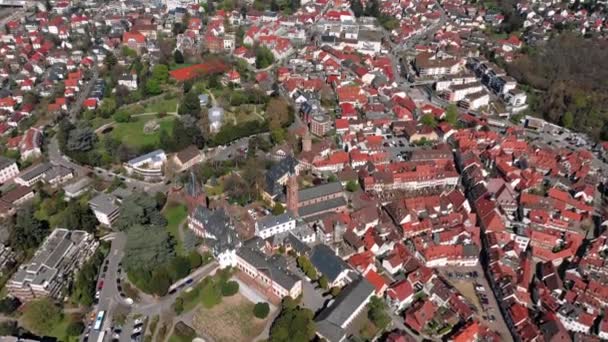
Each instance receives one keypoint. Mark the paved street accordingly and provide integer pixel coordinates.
(109, 292)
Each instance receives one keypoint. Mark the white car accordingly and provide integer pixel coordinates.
(137, 329)
(139, 321)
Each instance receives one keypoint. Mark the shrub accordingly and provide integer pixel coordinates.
(178, 306)
(122, 116)
(230, 288)
(261, 310)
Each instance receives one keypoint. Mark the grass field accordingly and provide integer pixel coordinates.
(175, 215)
(231, 320)
(132, 133)
(59, 331)
(167, 106)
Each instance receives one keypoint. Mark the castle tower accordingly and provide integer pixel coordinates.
(292, 193)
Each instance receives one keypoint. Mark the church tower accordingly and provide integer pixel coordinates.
(292, 192)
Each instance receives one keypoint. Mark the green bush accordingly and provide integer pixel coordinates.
(121, 116)
(230, 288)
(178, 306)
(261, 310)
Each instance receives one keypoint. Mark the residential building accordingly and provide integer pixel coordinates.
(54, 265)
(320, 125)
(187, 158)
(77, 188)
(272, 225)
(270, 272)
(332, 322)
(106, 208)
(8, 169)
(149, 166)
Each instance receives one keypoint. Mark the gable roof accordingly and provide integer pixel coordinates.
(327, 262)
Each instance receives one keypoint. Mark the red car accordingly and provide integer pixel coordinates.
(100, 285)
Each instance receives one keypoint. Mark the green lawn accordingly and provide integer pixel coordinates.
(175, 215)
(59, 331)
(132, 133)
(166, 106)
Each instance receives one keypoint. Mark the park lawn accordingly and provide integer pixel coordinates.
(161, 106)
(175, 215)
(59, 330)
(231, 320)
(132, 133)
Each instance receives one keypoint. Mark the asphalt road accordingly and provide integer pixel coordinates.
(109, 292)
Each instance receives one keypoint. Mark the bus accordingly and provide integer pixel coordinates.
(99, 320)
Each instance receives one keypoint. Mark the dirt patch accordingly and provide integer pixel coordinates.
(231, 320)
(467, 289)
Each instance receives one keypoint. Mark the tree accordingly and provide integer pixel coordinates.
(278, 209)
(178, 57)
(293, 324)
(122, 116)
(107, 107)
(78, 216)
(567, 120)
(377, 312)
(190, 104)
(85, 284)
(263, 57)
(75, 328)
(277, 111)
(451, 114)
(41, 316)
(160, 283)
(261, 310)
(278, 135)
(152, 87)
(352, 186)
(160, 73)
(195, 260)
(139, 209)
(230, 288)
(180, 267)
(357, 8)
(156, 249)
(82, 138)
(28, 231)
(110, 60)
(9, 328)
(8, 305)
(428, 120)
(323, 282)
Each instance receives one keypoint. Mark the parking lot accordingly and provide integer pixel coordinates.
(312, 295)
(472, 284)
